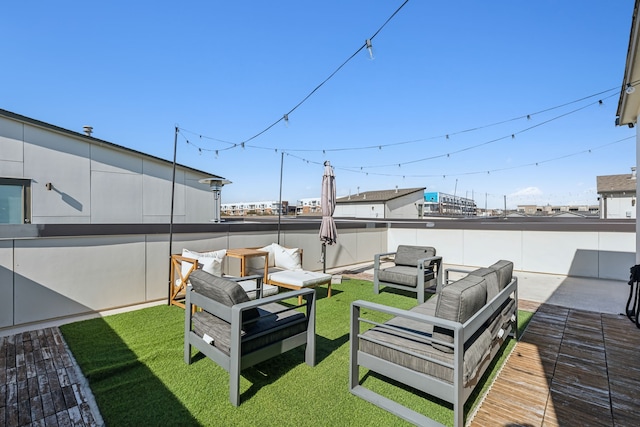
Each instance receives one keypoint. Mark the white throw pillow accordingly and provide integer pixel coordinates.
(211, 262)
(287, 258)
(257, 263)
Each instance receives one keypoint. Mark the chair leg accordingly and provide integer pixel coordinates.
(310, 350)
(187, 330)
(376, 286)
(234, 387)
(234, 363)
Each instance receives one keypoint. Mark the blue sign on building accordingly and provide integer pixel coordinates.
(431, 197)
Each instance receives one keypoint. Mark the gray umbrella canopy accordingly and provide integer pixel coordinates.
(328, 232)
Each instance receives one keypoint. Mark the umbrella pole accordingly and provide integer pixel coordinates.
(324, 257)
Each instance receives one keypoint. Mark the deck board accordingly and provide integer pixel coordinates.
(571, 367)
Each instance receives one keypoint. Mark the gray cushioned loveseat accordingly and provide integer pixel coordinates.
(441, 347)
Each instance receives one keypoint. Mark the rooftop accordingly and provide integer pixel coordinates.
(574, 363)
(616, 183)
(378, 196)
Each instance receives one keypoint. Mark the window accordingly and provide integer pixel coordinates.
(15, 201)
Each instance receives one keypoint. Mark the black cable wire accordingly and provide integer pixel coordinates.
(327, 79)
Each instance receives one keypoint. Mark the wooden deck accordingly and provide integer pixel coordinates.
(571, 368)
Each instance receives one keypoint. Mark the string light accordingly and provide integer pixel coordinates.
(599, 102)
(369, 48)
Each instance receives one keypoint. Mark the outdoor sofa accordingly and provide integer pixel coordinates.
(236, 332)
(441, 347)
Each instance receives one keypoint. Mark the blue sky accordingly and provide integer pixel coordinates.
(225, 71)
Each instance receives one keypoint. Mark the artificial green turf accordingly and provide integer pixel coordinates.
(134, 364)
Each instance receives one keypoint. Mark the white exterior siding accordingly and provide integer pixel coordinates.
(96, 182)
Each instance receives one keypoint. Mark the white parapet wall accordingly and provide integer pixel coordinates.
(76, 270)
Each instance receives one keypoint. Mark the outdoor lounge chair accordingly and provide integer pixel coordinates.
(416, 269)
(237, 333)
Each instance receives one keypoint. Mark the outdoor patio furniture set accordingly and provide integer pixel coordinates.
(442, 346)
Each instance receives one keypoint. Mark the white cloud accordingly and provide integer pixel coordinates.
(529, 191)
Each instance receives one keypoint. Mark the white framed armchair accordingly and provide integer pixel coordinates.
(415, 269)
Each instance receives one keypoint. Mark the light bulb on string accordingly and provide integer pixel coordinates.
(286, 120)
(369, 48)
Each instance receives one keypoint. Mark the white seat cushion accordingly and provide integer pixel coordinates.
(300, 278)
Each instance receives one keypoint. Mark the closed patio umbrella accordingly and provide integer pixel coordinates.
(328, 232)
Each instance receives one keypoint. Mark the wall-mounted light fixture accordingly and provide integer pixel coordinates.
(630, 89)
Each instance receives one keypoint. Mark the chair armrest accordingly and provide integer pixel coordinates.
(243, 278)
(225, 312)
(454, 270)
(437, 260)
(376, 258)
(259, 278)
(418, 317)
(433, 261)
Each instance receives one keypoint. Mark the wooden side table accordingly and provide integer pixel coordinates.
(244, 254)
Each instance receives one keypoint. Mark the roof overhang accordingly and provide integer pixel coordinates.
(629, 103)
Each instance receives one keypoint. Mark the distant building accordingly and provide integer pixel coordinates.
(398, 203)
(555, 210)
(269, 207)
(617, 195)
(310, 205)
(436, 203)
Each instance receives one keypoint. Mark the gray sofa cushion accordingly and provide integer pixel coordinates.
(409, 255)
(221, 290)
(458, 302)
(403, 275)
(475, 353)
(282, 325)
(491, 277)
(505, 272)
